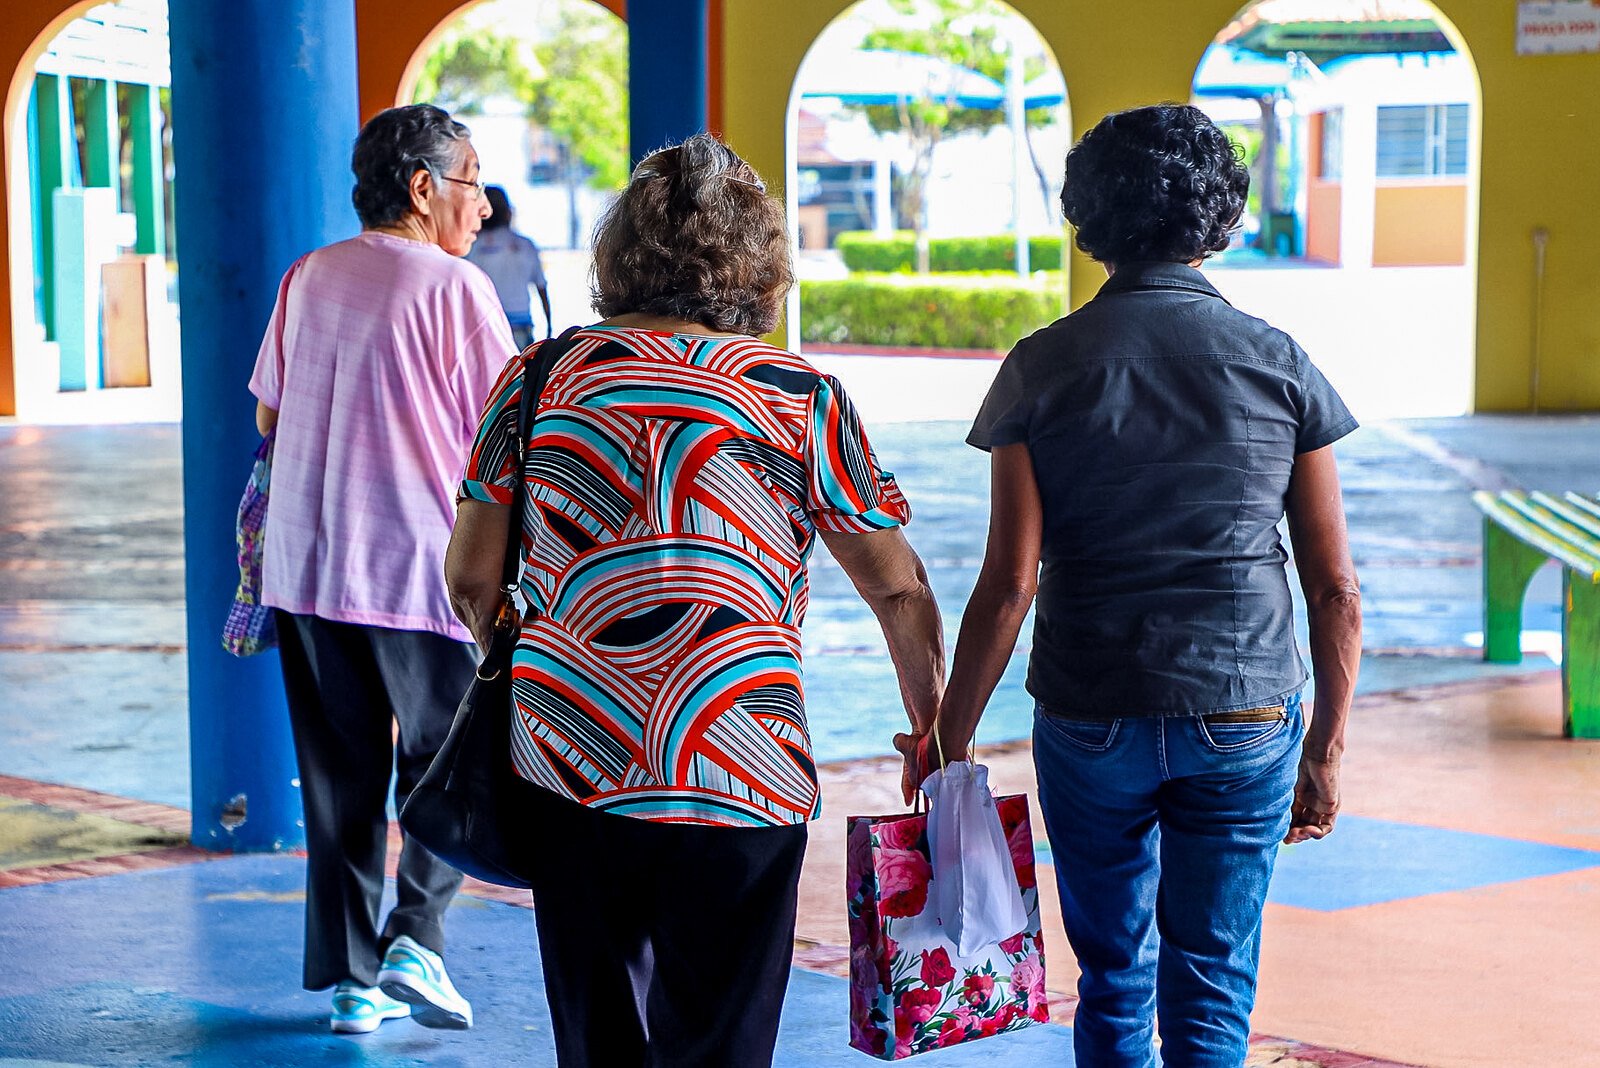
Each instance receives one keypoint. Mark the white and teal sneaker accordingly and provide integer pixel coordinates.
(358, 1010)
(416, 976)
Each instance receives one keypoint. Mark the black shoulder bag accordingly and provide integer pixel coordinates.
(467, 809)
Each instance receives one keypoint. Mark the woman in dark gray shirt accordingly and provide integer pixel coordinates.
(1144, 450)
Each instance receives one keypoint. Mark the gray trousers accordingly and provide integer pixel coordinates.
(348, 685)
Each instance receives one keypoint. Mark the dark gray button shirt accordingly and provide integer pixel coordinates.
(1163, 425)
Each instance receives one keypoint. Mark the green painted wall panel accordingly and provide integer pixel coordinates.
(144, 120)
(57, 168)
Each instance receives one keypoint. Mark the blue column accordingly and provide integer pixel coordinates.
(264, 113)
(668, 64)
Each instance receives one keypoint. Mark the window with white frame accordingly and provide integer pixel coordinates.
(1422, 141)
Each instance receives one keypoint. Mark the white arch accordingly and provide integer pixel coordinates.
(791, 141)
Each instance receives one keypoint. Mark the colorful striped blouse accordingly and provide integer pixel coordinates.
(675, 489)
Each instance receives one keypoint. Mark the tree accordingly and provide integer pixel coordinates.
(572, 82)
(469, 66)
(580, 96)
(962, 33)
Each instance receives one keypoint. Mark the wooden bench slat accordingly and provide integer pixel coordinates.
(1588, 504)
(1510, 513)
(1557, 527)
(1557, 518)
(1584, 521)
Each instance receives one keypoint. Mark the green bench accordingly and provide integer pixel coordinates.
(1520, 532)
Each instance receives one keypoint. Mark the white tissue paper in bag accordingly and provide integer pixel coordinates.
(975, 887)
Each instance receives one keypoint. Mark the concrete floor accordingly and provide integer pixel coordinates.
(1461, 880)
(91, 583)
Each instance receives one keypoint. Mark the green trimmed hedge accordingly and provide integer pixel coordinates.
(863, 250)
(962, 311)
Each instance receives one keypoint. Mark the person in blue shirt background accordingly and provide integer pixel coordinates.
(511, 260)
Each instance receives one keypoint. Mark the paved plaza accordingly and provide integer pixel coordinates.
(1461, 879)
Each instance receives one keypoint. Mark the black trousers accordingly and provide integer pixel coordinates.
(663, 944)
(347, 686)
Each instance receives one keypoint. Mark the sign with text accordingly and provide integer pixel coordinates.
(1550, 27)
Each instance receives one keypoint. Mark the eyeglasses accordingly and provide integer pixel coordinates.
(478, 185)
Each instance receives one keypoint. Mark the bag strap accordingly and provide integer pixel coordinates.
(535, 373)
(972, 745)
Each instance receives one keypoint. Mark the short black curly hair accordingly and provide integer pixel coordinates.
(394, 145)
(1154, 183)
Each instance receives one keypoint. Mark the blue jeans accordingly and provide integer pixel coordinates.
(1164, 833)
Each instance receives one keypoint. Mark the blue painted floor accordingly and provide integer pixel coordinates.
(200, 965)
(1373, 862)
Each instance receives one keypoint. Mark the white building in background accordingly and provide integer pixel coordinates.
(1390, 160)
(844, 168)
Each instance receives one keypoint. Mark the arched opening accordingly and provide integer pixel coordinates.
(88, 188)
(1361, 121)
(939, 124)
(543, 84)
(923, 139)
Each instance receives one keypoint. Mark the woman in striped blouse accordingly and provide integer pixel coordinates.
(681, 470)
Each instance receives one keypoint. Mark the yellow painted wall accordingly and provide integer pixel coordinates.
(1541, 167)
(1420, 224)
(1540, 135)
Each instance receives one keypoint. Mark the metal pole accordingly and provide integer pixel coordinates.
(264, 112)
(1541, 241)
(882, 190)
(1016, 119)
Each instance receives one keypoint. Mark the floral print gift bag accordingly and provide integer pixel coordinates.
(910, 990)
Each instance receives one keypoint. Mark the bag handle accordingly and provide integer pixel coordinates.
(919, 800)
(938, 742)
(535, 373)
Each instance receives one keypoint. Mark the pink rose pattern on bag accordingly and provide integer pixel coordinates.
(909, 991)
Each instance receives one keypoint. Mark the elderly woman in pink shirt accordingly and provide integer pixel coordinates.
(374, 369)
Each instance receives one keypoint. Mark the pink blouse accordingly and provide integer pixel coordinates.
(379, 357)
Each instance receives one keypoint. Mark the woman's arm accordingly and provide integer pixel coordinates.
(891, 579)
(999, 602)
(266, 418)
(473, 563)
(1333, 610)
(544, 299)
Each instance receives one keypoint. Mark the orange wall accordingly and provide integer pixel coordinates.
(1324, 213)
(1420, 224)
(1324, 200)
